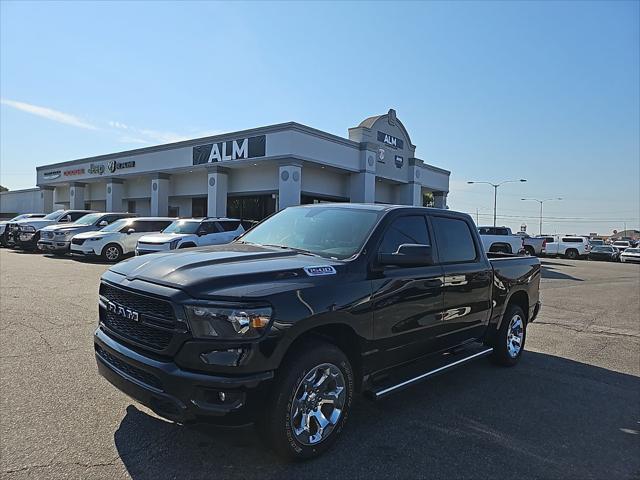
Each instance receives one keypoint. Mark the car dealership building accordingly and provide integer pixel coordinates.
(248, 174)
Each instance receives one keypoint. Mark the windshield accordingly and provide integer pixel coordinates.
(621, 244)
(54, 215)
(632, 250)
(117, 225)
(603, 249)
(332, 232)
(89, 219)
(597, 242)
(182, 226)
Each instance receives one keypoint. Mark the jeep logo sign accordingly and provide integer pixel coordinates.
(230, 150)
(390, 140)
(122, 311)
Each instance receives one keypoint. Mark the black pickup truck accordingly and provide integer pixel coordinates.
(318, 302)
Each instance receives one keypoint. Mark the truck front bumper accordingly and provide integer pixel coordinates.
(176, 394)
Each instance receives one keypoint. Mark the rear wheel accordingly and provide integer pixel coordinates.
(112, 252)
(529, 250)
(309, 402)
(509, 343)
(571, 254)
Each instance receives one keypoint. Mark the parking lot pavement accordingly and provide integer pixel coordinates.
(568, 410)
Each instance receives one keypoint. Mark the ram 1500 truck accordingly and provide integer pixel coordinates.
(283, 326)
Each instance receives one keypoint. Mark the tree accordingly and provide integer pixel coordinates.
(427, 199)
(3, 189)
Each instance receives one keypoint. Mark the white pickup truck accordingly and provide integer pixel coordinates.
(568, 246)
(501, 240)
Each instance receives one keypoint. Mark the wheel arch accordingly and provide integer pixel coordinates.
(339, 334)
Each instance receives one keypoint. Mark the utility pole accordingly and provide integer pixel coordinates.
(495, 194)
(541, 202)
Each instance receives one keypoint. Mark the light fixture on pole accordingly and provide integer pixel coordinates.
(495, 193)
(541, 202)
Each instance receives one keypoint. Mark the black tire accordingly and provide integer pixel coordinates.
(502, 354)
(529, 250)
(276, 426)
(571, 254)
(112, 252)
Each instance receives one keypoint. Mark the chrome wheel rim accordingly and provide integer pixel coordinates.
(317, 404)
(515, 335)
(112, 253)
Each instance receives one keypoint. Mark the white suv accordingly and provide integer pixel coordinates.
(118, 239)
(191, 232)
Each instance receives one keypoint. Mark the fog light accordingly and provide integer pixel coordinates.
(228, 358)
(222, 396)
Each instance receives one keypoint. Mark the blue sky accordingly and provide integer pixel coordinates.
(547, 91)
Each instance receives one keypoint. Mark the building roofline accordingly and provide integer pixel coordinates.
(209, 139)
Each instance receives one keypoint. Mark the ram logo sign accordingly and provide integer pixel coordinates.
(123, 312)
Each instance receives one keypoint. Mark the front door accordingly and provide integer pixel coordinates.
(467, 282)
(407, 301)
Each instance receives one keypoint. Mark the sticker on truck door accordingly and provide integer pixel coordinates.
(319, 271)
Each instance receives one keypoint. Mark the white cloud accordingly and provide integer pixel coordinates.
(128, 139)
(49, 114)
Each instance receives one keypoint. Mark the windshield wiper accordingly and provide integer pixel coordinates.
(297, 250)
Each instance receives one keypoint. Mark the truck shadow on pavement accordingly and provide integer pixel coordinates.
(546, 418)
(549, 272)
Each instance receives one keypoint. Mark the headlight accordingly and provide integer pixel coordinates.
(63, 234)
(228, 323)
(173, 244)
(93, 239)
(27, 228)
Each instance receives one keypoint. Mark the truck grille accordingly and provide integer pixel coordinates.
(156, 323)
(138, 374)
(77, 241)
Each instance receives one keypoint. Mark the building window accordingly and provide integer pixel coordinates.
(131, 206)
(87, 205)
(254, 207)
(174, 211)
(199, 207)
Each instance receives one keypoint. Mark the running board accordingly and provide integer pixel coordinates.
(378, 393)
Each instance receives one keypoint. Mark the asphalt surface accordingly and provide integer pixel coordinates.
(570, 409)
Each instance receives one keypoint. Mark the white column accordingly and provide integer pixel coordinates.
(115, 189)
(289, 185)
(46, 200)
(76, 196)
(363, 183)
(217, 184)
(160, 196)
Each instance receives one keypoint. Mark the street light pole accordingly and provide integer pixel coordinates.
(495, 194)
(541, 202)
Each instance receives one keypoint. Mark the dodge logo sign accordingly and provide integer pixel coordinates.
(123, 311)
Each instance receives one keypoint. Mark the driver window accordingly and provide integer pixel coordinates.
(409, 229)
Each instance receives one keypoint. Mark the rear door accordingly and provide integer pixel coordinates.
(467, 281)
(407, 301)
(207, 234)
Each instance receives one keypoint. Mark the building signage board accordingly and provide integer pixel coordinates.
(240, 149)
(74, 172)
(390, 140)
(52, 175)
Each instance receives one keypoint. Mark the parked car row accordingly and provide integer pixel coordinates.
(112, 236)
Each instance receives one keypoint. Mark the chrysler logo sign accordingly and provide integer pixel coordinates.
(123, 312)
(230, 150)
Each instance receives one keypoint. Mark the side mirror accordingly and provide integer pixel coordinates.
(103, 223)
(408, 255)
(200, 233)
(130, 231)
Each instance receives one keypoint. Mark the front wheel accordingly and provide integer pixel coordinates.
(112, 253)
(309, 403)
(509, 343)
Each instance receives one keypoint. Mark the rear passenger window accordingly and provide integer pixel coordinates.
(455, 242)
(76, 215)
(572, 240)
(208, 228)
(410, 229)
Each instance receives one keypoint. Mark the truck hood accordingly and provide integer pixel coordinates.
(63, 227)
(162, 237)
(37, 224)
(233, 270)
